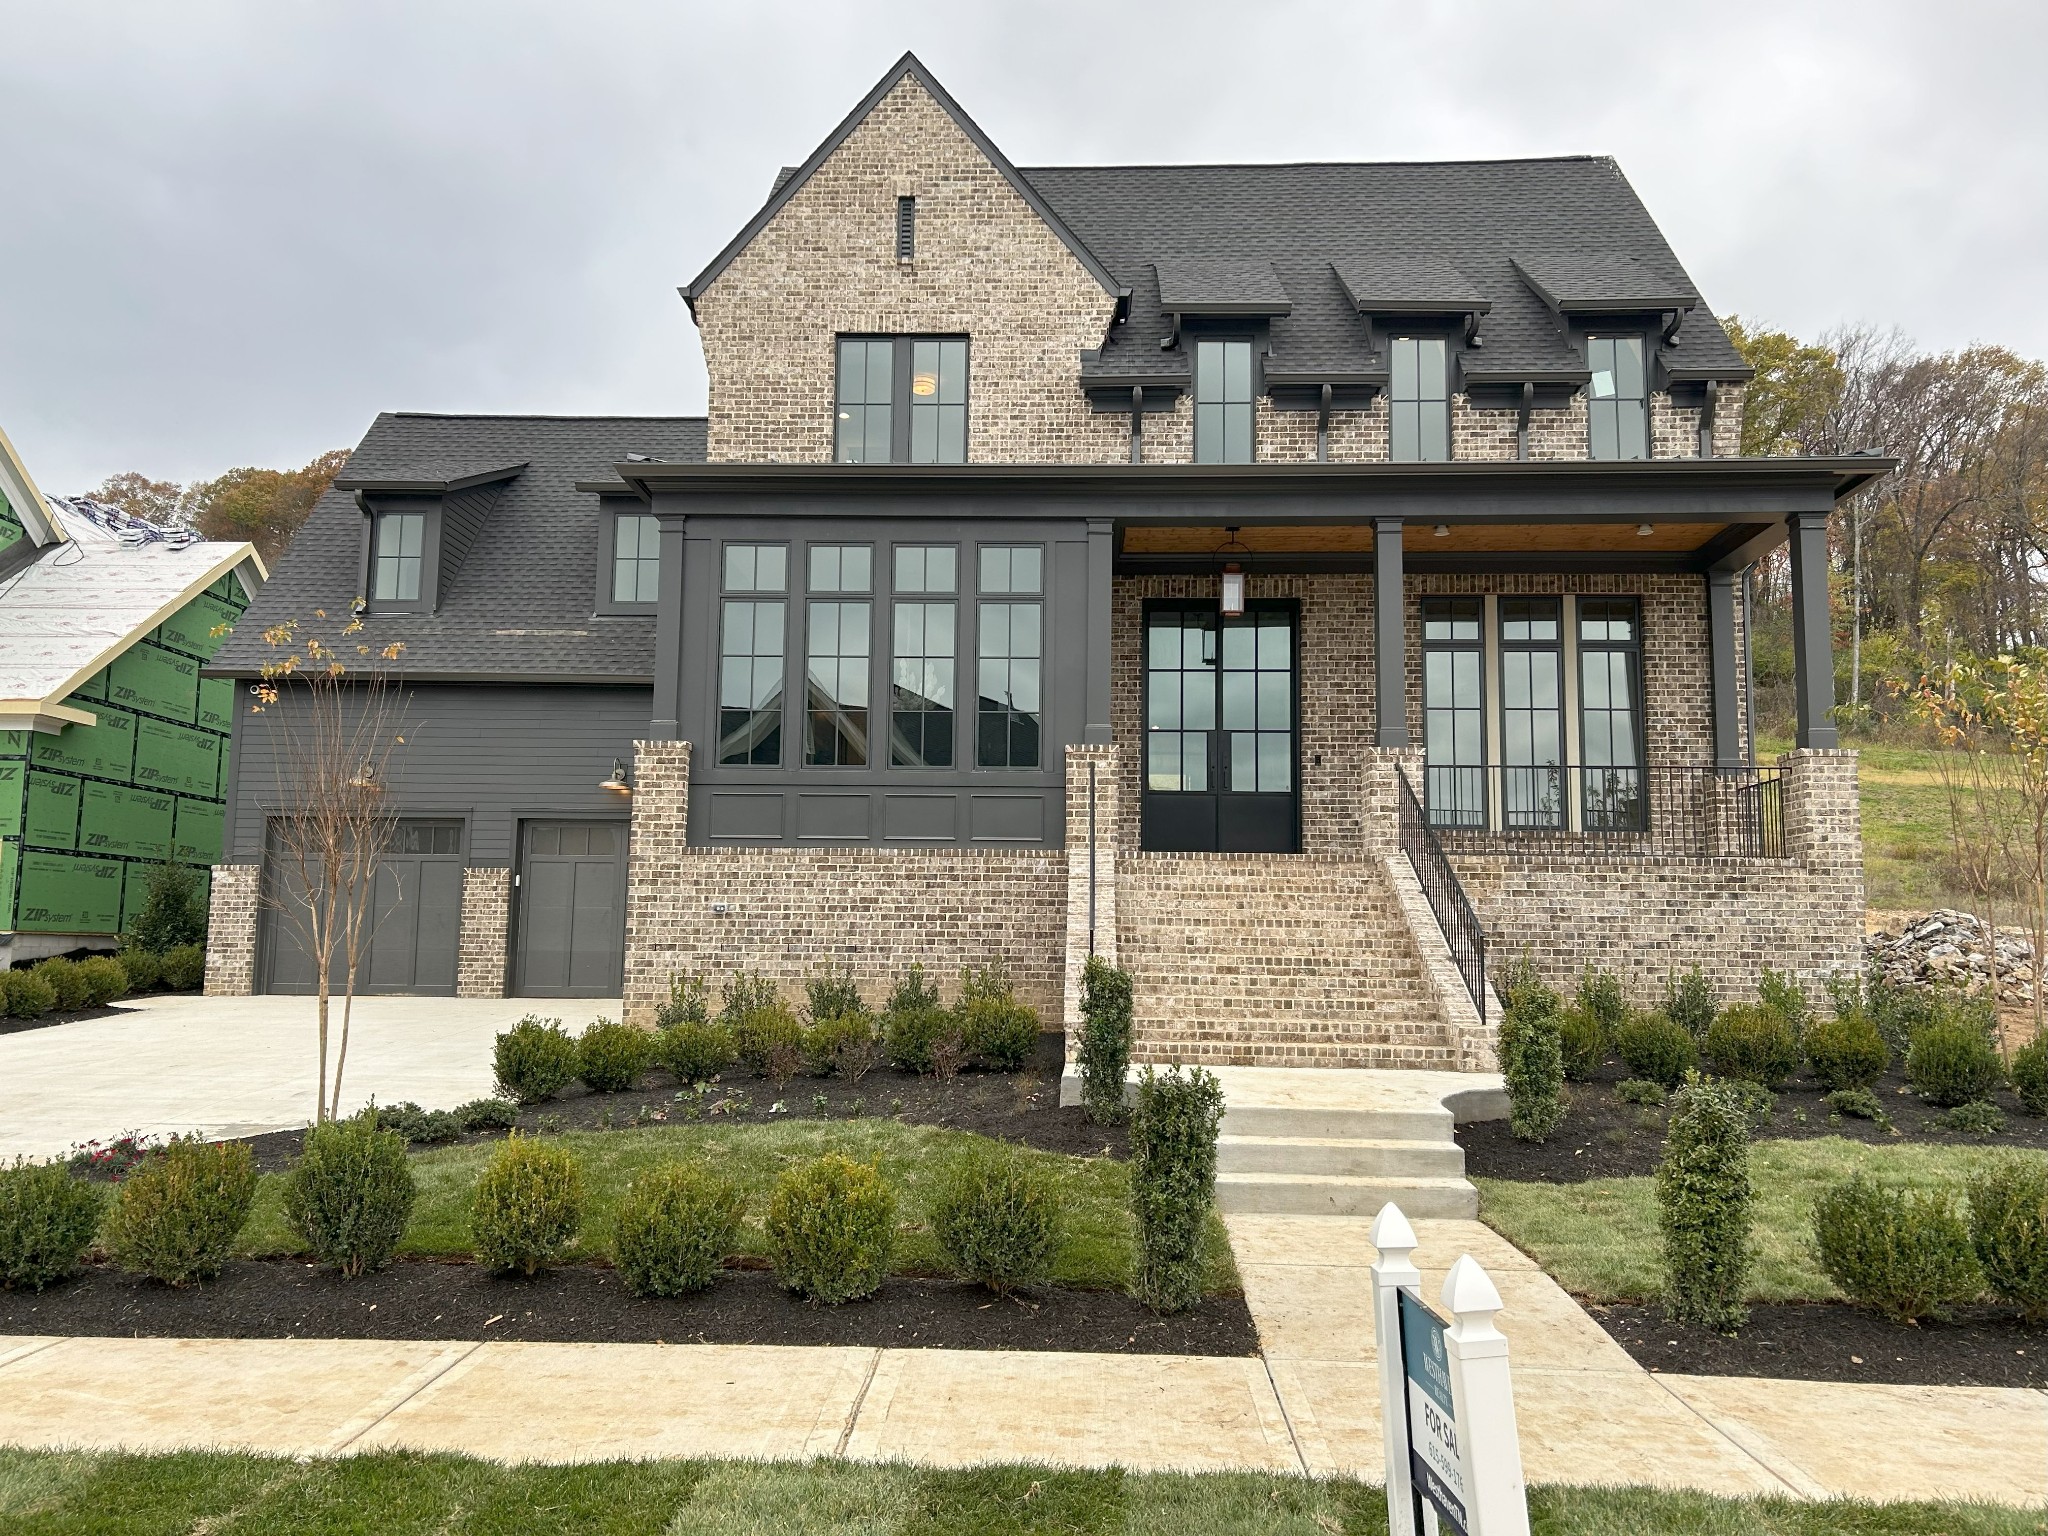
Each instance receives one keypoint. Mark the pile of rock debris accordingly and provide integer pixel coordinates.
(1947, 947)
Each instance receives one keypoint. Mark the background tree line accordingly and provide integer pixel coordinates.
(264, 506)
(1938, 563)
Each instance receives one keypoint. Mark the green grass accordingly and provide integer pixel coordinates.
(405, 1494)
(1600, 1238)
(1097, 1253)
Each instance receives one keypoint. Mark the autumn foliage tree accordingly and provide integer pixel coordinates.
(264, 506)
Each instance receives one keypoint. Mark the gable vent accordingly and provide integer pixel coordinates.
(906, 228)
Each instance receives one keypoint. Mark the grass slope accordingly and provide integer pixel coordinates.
(403, 1494)
(1600, 1238)
(1097, 1254)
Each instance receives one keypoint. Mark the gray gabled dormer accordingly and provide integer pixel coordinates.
(418, 527)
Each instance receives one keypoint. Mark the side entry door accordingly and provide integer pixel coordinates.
(572, 909)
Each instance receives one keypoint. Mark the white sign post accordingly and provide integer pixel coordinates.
(1447, 1408)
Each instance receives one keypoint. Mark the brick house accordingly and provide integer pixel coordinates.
(1295, 582)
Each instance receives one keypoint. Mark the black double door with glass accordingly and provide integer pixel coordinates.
(1222, 747)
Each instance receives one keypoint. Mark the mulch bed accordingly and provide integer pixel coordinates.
(1603, 1138)
(83, 1016)
(587, 1303)
(1832, 1341)
(1021, 1107)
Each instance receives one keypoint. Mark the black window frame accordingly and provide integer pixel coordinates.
(925, 596)
(1009, 597)
(608, 601)
(1250, 403)
(1460, 813)
(729, 594)
(1612, 800)
(428, 511)
(902, 404)
(1396, 401)
(839, 596)
(1614, 402)
(1532, 794)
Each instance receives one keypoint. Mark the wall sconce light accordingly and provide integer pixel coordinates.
(1644, 530)
(1233, 577)
(618, 783)
(1442, 530)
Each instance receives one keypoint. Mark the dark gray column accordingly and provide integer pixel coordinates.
(1813, 652)
(1101, 563)
(1724, 661)
(668, 637)
(1390, 635)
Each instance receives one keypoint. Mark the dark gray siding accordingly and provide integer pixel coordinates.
(491, 754)
(795, 803)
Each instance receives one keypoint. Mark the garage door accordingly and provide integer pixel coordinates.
(417, 917)
(572, 909)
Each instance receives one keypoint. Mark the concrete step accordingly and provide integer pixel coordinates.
(1330, 1123)
(1355, 1158)
(1324, 1194)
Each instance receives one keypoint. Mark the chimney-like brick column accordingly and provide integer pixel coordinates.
(660, 833)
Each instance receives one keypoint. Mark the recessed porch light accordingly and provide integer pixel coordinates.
(1644, 530)
(1442, 530)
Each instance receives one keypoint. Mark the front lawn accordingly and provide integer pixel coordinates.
(1096, 1191)
(1600, 1238)
(398, 1494)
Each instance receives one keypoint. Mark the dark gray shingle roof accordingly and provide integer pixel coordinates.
(1576, 215)
(521, 604)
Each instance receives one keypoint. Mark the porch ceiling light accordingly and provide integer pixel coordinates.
(1442, 530)
(1233, 576)
(1644, 530)
(618, 783)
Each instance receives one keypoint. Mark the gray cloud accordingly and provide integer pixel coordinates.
(230, 233)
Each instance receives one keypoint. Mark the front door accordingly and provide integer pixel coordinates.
(572, 909)
(1221, 747)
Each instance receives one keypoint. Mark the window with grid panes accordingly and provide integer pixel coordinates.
(636, 558)
(1223, 401)
(1617, 398)
(1258, 702)
(837, 655)
(1532, 712)
(1453, 711)
(923, 656)
(399, 545)
(1419, 400)
(901, 400)
(1611, 712)
(750, 654)
(1010, 655)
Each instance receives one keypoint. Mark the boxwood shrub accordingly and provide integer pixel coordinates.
(143, 968)
(26, 995)
(831, 1228)
(843, 1044)
(351, 1193)
(1753, 1043)
(1704, 1205)
(178, 1212)
(695, 1050)
(1653, 1047)
(1901, 1252)
(997, 1219)
(1105, 1054)
(1582, 1038)
(184, 968)
(527, 1207)
(73, 991)
(1951, 1063)
(2030, 1075)
(2009, 1230)
(1846, 1051)
(914, 1021)
(47, 1221)
(675, 1225)
(611, 1056)
(105, 980)
(1173, 1182)
(535, 1060)
(1532, 1064)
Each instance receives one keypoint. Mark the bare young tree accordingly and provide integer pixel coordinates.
(333, 726)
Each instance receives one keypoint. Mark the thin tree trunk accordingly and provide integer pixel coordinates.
(348, 1004)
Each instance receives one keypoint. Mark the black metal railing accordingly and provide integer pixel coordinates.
(1695, 812)
(1447, 898)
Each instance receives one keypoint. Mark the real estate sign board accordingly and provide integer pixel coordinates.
(1432, 1417)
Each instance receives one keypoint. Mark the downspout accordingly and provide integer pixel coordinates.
(1323, 428)
(1522, 421)
(1137, 423)
(1707, 405)
(1091, 858)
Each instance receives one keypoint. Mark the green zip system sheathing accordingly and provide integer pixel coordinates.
(84, 813)
(11, 531)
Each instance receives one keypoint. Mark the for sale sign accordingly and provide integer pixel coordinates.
(1432, 1418)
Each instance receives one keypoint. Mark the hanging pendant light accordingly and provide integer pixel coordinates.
(1233, 577)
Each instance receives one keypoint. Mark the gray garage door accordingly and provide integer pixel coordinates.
(572, 909)
(417, 917)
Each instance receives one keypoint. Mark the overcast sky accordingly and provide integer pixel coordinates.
(230, 233)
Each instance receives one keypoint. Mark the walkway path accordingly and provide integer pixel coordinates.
(239, 1066)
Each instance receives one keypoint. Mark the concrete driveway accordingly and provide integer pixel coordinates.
(237, 1066)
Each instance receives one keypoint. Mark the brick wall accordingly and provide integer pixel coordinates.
(787, 911)
(482, 954)
(986, 266)
(1091, 881)
(231, 930)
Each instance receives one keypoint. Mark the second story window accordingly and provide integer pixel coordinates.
(397, 552)
(636, 558)
(750, 654)
(1617, 399)
(901, 400)
(1419, 397)
(1012, 649)
(1223, 402)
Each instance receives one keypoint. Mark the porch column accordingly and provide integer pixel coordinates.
(1813, 655)
(1095, 729)
(668, 637)
(1390, 635)
(1723, 661)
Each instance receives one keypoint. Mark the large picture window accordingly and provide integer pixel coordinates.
(1532, 712)
(1454, 711)
(1223, 402)
(1011, 656)
(1419, 400)
(837, 656)
(923, 656)
(636, 558)
(1611, 712)
(901, 400)
(750, 654)
(399, 541)
(1617, 398)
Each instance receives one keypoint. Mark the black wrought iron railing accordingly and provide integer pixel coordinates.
(1446, 897)
(1697, 812)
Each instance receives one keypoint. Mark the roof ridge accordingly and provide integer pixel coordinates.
(1297, 165)
(526, 416)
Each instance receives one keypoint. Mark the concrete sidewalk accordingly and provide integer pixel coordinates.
(239, 1066)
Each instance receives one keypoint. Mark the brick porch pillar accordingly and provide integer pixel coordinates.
(1824, 833)
(654, 855)
(231, 930)
(482, 954)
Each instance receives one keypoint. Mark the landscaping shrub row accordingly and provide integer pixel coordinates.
(70, 986)
(835, 1035)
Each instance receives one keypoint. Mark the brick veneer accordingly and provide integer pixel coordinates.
(1091, 880)
(482, 958)
(789, 910)
(231, 930)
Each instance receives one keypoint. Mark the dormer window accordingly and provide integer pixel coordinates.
(636, 558)
(1419, 399)
(1617, 399)
(397, 553)
(902, 400)
(1223, 401)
